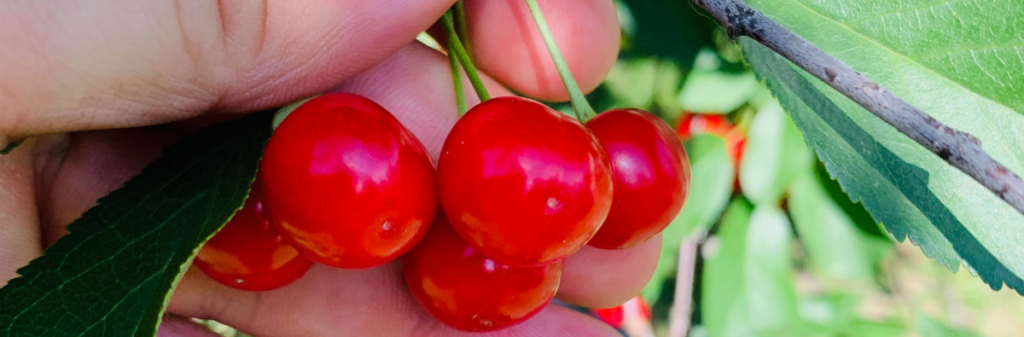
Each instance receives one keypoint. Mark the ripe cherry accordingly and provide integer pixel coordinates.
(693, 124)
(469, 291)
(347, 183)
(635, 310)
(249, 253)
(651, 175)
(522, 183)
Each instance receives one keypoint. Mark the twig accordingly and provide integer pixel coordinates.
(682, 308)
(959, 149)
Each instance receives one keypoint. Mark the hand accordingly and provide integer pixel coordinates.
(107, 65)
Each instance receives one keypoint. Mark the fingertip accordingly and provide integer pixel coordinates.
(507, 44)
(553, 320)
(177, 326)
(415, 85)
(601, 278)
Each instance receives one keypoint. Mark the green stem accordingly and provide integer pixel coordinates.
(460, 96)
(462, 26)
(579, 102)
(467, 63)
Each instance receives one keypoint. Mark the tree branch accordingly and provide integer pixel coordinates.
(959, 149)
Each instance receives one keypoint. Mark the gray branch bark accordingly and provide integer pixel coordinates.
(959, 149)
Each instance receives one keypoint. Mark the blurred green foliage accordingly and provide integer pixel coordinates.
(787, 253)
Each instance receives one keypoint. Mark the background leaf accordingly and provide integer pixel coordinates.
(834, 314)
(646, 83)
(911, 191)
(113, 273)
(666, 29)
(930, 327)
(710, 91)
(834, 244)
(748, 282)
(773, 155)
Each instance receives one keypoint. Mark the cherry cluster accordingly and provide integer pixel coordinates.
(518, 188)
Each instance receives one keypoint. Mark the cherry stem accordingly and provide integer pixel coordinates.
(460, 53)
(579, 102)
(460, 96)
(462, 26)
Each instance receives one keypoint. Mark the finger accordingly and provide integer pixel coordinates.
(89, 166)
(507, 45)
(551, 321)
(19, 223)
(117, 63)
(416, 86)
(177, 326)
(600, 278)
(370, 302)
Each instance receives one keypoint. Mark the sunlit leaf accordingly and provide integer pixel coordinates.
(941, 57)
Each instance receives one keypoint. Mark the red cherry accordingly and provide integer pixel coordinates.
(347, 183)
(634, 309)
(249, 253)
(651, 175)
(735, 141)
(522, 183)
(693, 124)
(471, 292)
(612, 316)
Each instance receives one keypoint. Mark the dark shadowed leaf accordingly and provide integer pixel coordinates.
(834, 244)
(114, 272)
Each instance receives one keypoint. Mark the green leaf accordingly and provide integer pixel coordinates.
(834, 244)
(749, 281)
(835, 314)
(712, 91)
(855, 211)
(645, 83)
(114, 272)
(667, 29)
(927, 326)
(773, 155)
(708, 196)
(908, 189)
(11, 146)
(711, 180)
(868, 328)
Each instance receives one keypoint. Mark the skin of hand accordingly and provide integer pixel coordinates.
(104, 85)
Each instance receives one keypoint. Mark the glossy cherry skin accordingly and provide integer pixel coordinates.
(347, 183)
(471, 292)
(249, 253)
(651, 174)
(522, 183)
